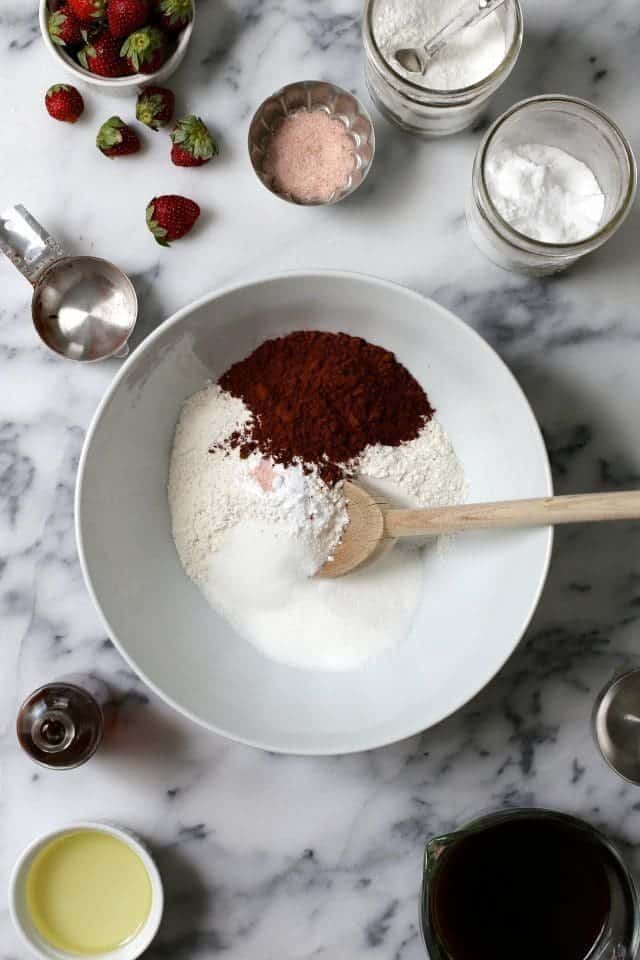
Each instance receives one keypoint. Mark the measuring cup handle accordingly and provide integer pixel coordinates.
(27, 245)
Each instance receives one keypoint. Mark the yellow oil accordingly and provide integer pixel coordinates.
(88, 893)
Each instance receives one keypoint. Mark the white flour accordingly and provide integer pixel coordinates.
(425, 472)
(471, 57)
(253, 551)
(544, 193)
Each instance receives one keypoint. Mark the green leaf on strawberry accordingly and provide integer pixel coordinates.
(110, 133)
(142, 46)
(158, 232)
(191, 134)
(176, 14)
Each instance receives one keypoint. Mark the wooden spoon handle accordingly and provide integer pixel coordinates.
(546, 511)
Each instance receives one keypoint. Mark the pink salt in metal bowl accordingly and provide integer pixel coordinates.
(312, 97)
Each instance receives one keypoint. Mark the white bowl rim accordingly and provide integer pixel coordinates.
(175, 319)
(114, 83)
(148, 932)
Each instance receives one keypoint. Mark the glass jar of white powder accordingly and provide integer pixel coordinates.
(458, 81)
(553, 179)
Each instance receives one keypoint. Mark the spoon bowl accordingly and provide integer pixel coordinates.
(364, 537)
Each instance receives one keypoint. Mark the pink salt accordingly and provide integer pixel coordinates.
(310, 156)
(264, 475)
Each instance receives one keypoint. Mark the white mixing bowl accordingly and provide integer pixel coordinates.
(478, 595)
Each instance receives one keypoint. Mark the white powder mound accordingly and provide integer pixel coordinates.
(251, 534)
(424, 472)
(544, 192)
(466, 60)
(209, 492)
(305, 622)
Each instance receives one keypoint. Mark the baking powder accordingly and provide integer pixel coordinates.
(544, 192)
(469, 58)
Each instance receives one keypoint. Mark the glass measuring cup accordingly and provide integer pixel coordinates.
(616, 934)
(83, 308)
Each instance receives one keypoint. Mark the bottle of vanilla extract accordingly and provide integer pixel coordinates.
(61, 724)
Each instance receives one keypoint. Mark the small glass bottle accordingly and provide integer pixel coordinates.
(61, 724)
(434, 113)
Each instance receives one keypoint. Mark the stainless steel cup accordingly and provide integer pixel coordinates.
(312, 95)
(83, 308)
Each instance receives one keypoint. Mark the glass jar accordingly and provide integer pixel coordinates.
(580, 129)
(435, 113)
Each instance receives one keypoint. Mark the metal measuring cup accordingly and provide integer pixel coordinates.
(616, 725)
(83, 308)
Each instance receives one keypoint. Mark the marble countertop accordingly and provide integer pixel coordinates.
(270, 856)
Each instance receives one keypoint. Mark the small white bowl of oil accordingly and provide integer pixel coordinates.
(86, 890)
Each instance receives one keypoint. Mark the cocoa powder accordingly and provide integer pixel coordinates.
(321, 398)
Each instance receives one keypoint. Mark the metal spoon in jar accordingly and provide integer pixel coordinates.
(373, 526)
(83, 308)
(416, 59)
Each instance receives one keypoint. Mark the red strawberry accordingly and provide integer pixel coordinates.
(170, 217)
(192, 143)
(145, 50)
(175, 14)
(63, 102)
(102, 57)
(64, 27)
(125, 16)
(155, 106)
(116, 139)
(88, 10)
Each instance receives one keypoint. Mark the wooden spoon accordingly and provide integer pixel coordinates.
(373, 525)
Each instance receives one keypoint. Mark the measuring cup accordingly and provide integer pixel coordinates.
(619, 937)
(83, 308)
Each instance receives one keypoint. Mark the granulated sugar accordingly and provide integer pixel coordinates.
(251, 534)
(310, 156)
(467, 59)
(260, 582)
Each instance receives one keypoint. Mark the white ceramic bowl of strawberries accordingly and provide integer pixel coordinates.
(96, 18)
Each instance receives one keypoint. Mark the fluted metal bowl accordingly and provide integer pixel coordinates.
(313, 95)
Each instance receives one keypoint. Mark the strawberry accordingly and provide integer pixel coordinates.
(170, 217)
(145, 50)
(175, 14)
(88, 10)
(125, 16)
(63, 102)
(116, 139)
(102, 57)
(155, 106)
(64, 27)
(192, 143)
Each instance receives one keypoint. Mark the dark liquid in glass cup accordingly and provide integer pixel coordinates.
(529, 884)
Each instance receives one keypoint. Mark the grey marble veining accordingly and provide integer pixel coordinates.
(267, 856)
